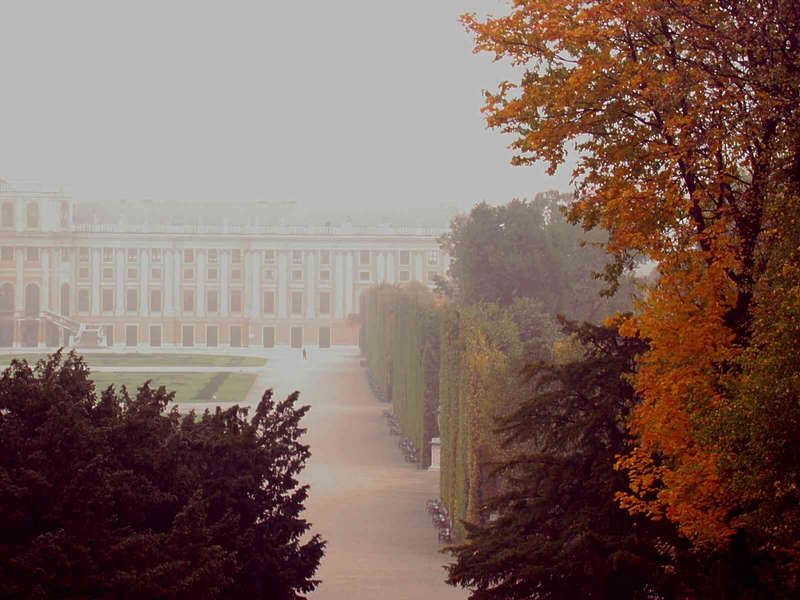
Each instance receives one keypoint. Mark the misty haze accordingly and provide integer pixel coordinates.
(480, 299)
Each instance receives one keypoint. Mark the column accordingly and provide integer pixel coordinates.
(144, 280)
(19, 293)
(310, 277)
(339, 289)
(168, 271)
(418, 266)
(255, 286)
(390, 270)
(176, 280)
(348, 284)
(44, 298)
(224, 282)
(119, 282)
(95, 257)
(201, 261)
(283, 277)
(380, 257)
(247, 283)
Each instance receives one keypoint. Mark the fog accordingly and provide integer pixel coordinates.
(355, 103)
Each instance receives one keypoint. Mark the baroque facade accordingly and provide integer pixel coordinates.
(102, 285)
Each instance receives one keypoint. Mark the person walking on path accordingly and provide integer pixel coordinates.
(305, 356)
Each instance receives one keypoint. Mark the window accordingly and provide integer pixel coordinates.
(432, 276)
(32, 254)
(212, 257)
(108, 300)
(108, 273)
(7, 217)
(324, 303)
(297, 257)
(236, 301)
(83, 273)
(33, 215)
(188, 256)
(269, 303)
(405, 257)
(83, 300)
(297, 275)
(65, 252)
(269, 275)
(108, 255)
(155, 255)
(363, 257)
(188, 300)
(133, 274)
(236, 256)
(325, 275)
(236, 274)
(297, 303)
(433, 257)
(133, 255)
(7, 253)
(212, 301)
(324, 257)
(404, 276)
(269, 257)
(83, 254)
(155, 300)
(132, 300)
(212, 274)
(363, 275)
(188, 274)
(155, 274)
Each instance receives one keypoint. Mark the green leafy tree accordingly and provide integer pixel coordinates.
(112, 497)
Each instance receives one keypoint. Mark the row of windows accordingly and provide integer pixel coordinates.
(31, 215)
(237, 337)
(296, 303)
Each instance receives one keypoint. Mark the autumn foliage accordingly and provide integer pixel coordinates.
(686, 118)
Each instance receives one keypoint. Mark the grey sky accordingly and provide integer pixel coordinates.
(352, 102)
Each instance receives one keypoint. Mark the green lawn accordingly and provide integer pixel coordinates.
(188, 387)
(150, 360)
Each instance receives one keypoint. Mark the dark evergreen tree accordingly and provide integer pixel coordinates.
(111, 497)
(556, 531)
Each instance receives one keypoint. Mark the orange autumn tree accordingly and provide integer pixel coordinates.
(686, 118)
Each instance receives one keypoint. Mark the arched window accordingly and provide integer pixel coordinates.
(32, 300)
(33, 215)
(6, 297)
(7, 215)
(65, 300)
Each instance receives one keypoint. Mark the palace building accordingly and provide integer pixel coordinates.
(120, 285)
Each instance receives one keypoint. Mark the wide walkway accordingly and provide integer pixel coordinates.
(365, 500)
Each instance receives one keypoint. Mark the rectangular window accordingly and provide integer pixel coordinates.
(133, 274)
(155, 300)
(324, 257)
(269, 303)
(236, 301)
(108, 300)
(155, 274)
(432, 276)
(188, 300)
(133, 255)
(297, 275)
(83, 273)
(108, 255)
(212, 274)
(132, 300)
(297, 303)
(83, 300)
(405, 257)
(65, 252)
(212, 257)
(188, 256)
(188, 274)
(236, 256)
(363, 257)
(32, 254)
(155, 335)
(108, 273)
(269, 257)
(236, 274)
(83, 254)
(212, 301)
(109, 331)
(269, 275)
(433, 257)
(325, 275)
(324, 303)
(7, 253)
(363, 275)
(155, 255)
(404, 276)
(297, 257)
